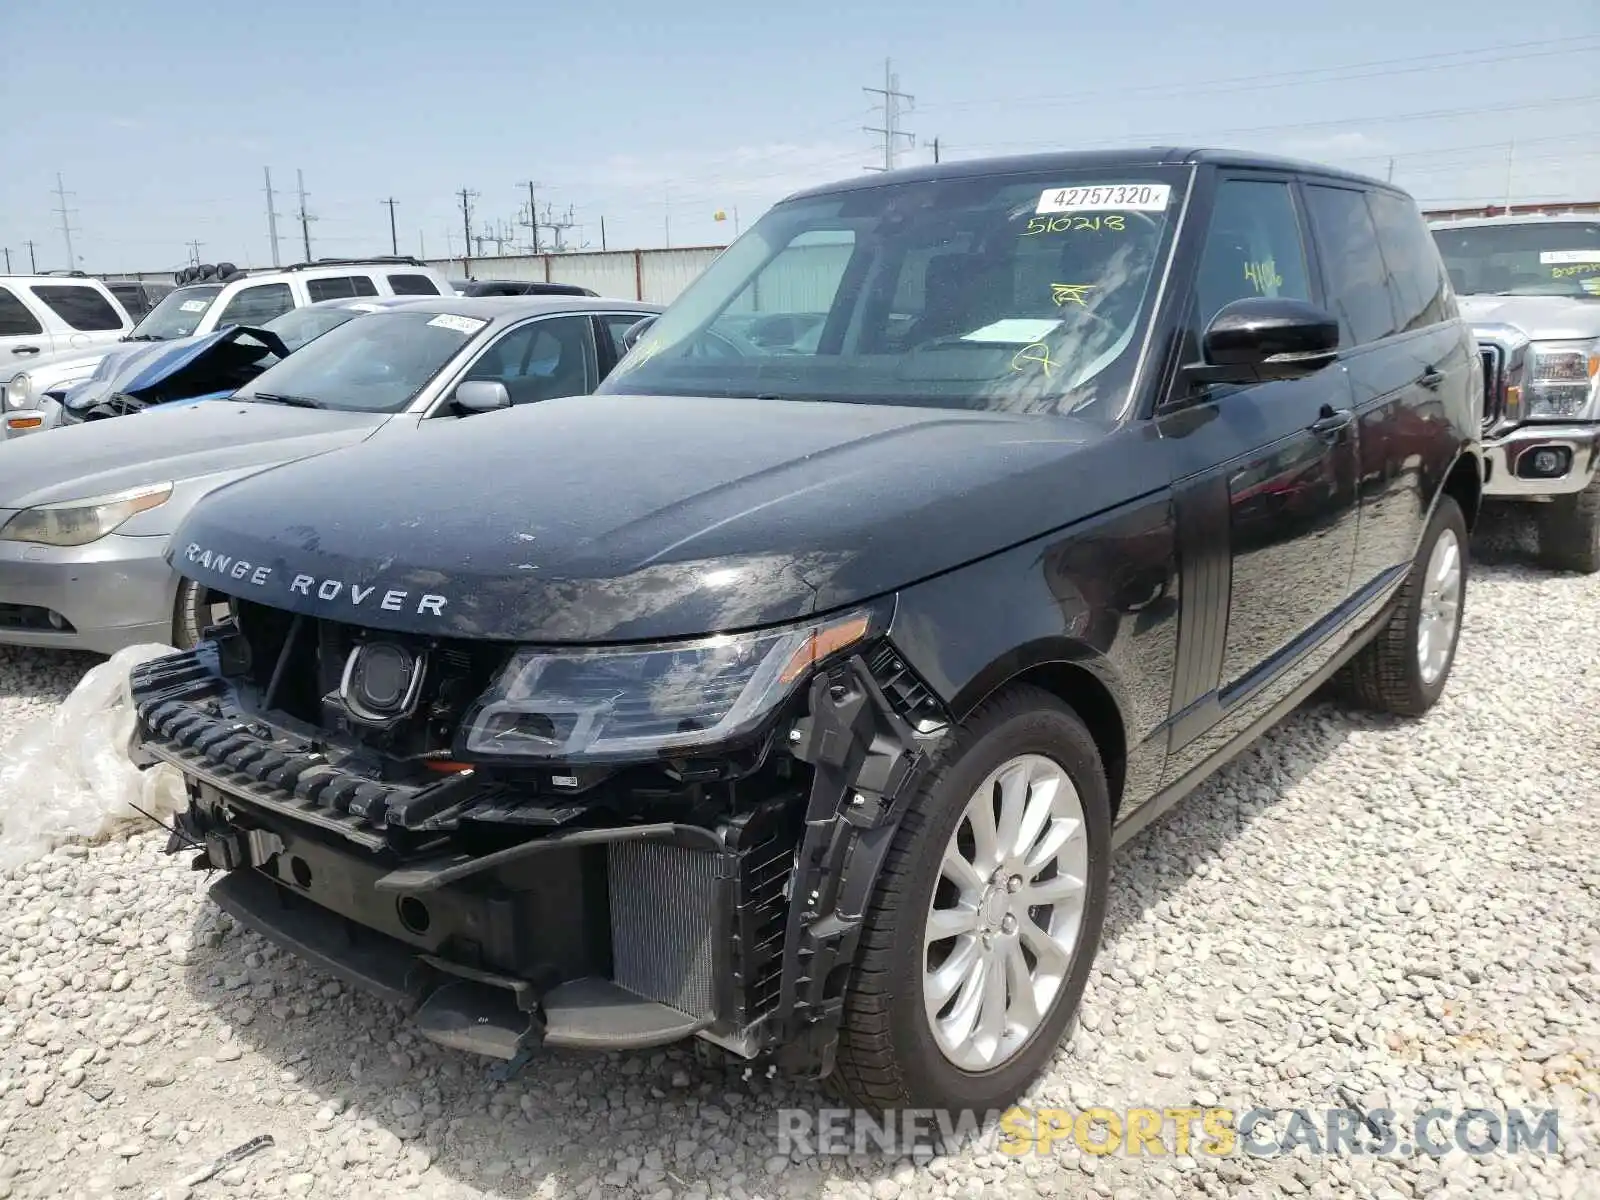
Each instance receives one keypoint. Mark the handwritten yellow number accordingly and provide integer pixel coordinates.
(1115, 221)
(1037, 353)
(1071, 293)
(1263, 276)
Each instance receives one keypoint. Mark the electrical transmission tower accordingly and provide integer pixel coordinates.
(559, 226)
(890, 130)
(65, 214)
(305, 217)
(272, 216)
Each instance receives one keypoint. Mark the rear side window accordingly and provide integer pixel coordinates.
(131, 296)
(343, 287)
(257, 305)
(1358, 290)
(412, 285)
(1253, 247)
(83, 308)
(15, 319)
(1418, 285)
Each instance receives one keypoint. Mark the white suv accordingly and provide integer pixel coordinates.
(223, 296)
(45, 314)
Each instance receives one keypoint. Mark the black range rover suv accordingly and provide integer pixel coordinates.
(796, 698)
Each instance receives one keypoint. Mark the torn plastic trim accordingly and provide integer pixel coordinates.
(865, 755)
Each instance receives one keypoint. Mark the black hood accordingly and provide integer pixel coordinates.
(616, 518)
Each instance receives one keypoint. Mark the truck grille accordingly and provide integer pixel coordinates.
(1494, 383)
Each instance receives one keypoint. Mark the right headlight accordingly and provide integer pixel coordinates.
(79, 522)
(613, 702)
(19, 390)
(1563, 382)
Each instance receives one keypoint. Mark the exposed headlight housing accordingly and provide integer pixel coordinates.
(19, 390)
(631, 702)
(79, 522)
(1563, 382)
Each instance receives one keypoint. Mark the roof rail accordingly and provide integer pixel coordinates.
(370, 260)
(64, 271)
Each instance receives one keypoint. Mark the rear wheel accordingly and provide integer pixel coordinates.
(987, 915)
(1404, 669)
(1569, 531)
(197, 609)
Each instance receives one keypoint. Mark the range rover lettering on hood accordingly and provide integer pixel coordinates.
(354, 595)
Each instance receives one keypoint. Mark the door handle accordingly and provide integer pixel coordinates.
(1331, 421)
(1431, 378)
(25, 350)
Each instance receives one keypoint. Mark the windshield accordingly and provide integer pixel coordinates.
(1543, 258)
(377, 364)
(299, 325)
(1020, 293)
(178, 314)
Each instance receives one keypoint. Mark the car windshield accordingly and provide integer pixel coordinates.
(1531, 258)
(377, 364)
(178, 314)
(1025, 292)
(300, 325)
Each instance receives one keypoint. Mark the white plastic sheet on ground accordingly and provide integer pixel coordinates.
(68, 777)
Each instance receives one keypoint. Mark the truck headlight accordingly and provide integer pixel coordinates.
(19, 390)
(1563, 382)
(79, 522)
(630, 701)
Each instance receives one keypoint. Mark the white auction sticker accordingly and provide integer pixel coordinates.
(194, 305)
(1552, 258)
(459, 324)
(1107, 197)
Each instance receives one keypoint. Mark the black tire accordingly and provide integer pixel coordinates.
(191, 614)
(887, 1056)
(1569, 531)
(1385, 676)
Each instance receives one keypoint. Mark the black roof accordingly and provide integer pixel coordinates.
(1089, 160)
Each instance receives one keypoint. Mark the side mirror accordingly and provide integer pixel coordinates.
(1264, 338)
(637, 330)
(481, 395)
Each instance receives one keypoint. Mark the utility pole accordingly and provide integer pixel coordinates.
(533, 213)
(422, 245)
(1391, 170)
(602, 241)
(394, 238)
(558, 227)
(1511, 162)
(935, 150)
(66, 220)
(194, 252)
(33, 263)
(466, 218)
(305, 217)
(890, 129)
(8, 260)
(272, 216)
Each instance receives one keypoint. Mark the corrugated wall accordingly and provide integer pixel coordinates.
(656, 276)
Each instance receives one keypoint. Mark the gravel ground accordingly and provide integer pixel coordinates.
(1360, 911)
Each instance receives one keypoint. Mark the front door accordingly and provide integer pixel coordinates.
(1265, 489)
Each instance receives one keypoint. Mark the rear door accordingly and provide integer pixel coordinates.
(81, 315)
(1265, 489)
(23, 334)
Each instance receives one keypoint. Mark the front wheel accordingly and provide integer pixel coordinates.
(986, 918)
(195, 611)
(1569, 531)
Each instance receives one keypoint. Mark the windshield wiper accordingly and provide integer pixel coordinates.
(142, 337)
(291, 401)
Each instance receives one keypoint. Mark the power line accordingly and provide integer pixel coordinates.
(394, 238)
(890, 91)
(305, 217)
(272, 217)
(66, 220)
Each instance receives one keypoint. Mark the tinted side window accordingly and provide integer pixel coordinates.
(81, 307)
(541, 360)
(364, 285)
(412, 285)
(15, 319)
(617, 325)
(257, 305)
(1417, 281)
(132, 297)
(1253, 248)
(1351, 264)
(342, 287)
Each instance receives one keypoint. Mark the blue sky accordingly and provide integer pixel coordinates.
(160, 118)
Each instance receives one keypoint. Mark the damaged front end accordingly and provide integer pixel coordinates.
(614, 900)
(196, 369)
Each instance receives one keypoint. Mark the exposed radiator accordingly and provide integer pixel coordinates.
(663, 903)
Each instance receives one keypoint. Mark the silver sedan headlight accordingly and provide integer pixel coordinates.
(1563, 382)
(588, 704)
(18, 391)
(79, 522)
